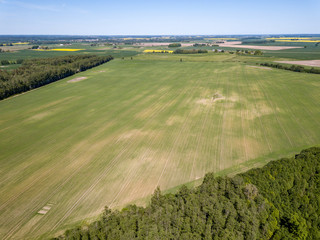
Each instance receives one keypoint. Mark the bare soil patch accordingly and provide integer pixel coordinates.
(208, 101)
(310, 63)
(266, 68)
(237, 45)
(78, 79)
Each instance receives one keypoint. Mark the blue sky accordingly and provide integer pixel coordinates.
(174, 17)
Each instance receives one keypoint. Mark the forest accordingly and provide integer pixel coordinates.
(38, 72)
(279, 201)
(189, 51)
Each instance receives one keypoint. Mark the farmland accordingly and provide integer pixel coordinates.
(128, 126)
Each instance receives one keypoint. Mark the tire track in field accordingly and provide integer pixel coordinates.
(293, 115)
(204, 123)
(155, 137)
(140, 176)
(222, 137)
(205, 146)
(273, 108)
(255, 106)
(104, 173)
(29, 214)
(38, 178)
(128, 180)
(182, 129)
(172, 133)
(302, 130)
(218, 110)
(97, 180)
(241, 116)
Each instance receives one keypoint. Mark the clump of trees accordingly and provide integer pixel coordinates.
(38, 72)
(189, 51)
(294, 68)
(200, 45)
(256, 52)
(7, 62)
(174, 45)
(278, 201)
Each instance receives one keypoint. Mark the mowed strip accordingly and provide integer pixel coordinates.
(135, 124)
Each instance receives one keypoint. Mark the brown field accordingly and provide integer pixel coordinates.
(310, 63)
(237, 45)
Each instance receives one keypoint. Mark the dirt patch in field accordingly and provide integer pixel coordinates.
(266, 68)
(208, 101)
(45, 209)
(310, 63)
(78, 79)
(237, 45)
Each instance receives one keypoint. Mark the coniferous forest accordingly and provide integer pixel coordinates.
(278, 201)
(38, 72)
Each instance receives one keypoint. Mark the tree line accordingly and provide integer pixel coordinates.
(294, 68)
(174, 45)
(278, 201)
(189, 51)
(38, 72)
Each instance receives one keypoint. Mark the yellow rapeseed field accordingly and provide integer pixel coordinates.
(301, 41)
(294, 39)
(20, 43)
(288, 38)
(60, 49)
(157, 51)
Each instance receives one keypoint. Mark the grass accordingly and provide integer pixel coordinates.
(135, 124)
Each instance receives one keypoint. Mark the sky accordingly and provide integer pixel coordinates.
(166, 17)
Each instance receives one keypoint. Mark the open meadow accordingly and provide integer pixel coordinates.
(109, 136)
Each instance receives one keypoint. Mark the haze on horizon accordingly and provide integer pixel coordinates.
(143, 17)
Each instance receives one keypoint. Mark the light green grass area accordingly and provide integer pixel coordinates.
(132, 125)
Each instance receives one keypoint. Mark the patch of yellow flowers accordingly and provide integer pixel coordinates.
(157, 51)
(60, 49)
(294, 39)
(288, 38)
(303, 41)
(20, 43)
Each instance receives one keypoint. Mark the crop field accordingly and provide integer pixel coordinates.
(111, 135)
(20, 52)
(60, 49)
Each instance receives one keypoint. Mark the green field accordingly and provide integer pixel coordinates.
(21, 52)
(135, 124)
